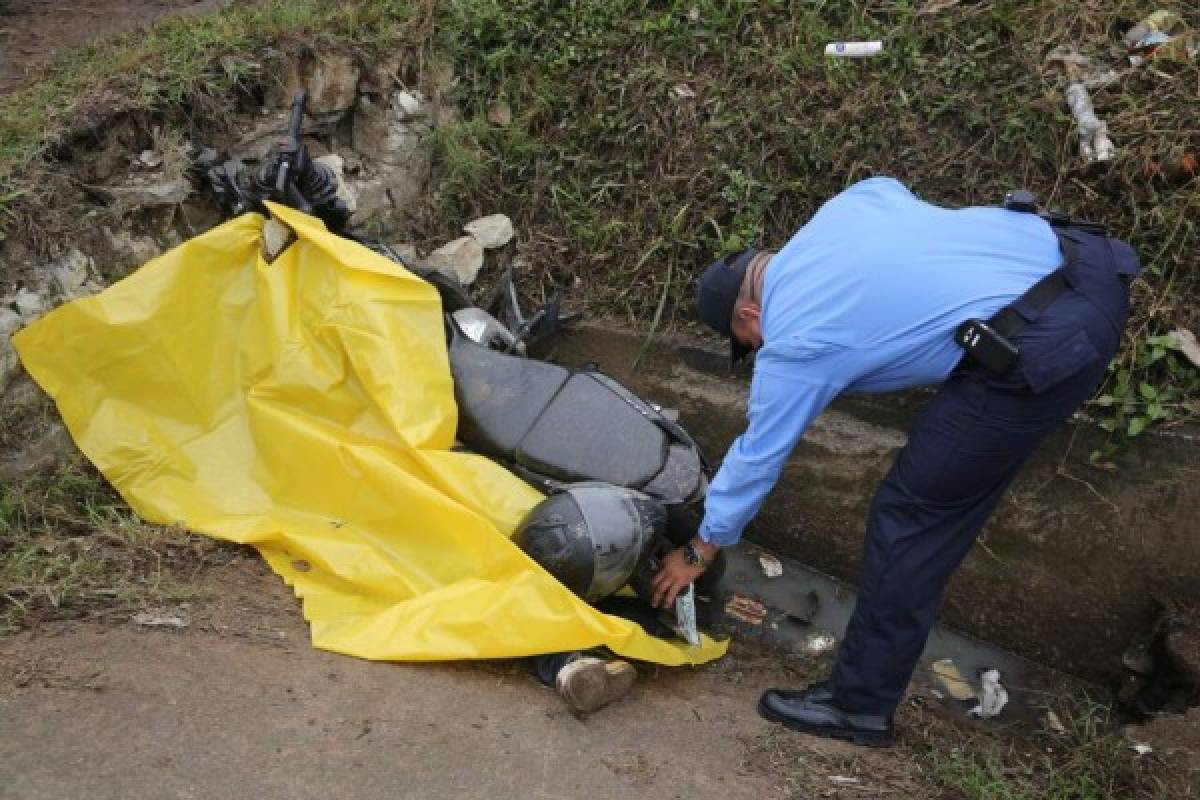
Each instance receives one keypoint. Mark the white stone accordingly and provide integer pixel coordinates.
(492, 231)
(461, 259)
(409, 104)
(71, 272)
(29, 304)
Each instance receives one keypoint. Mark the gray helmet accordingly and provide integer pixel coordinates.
(593, 537)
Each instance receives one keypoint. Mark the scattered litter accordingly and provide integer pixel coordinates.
(1142, 749)
(843, 780)
(992, 696)
(1054, 723)
(1187, 345)
(746, 609)
(1163, 36)
(948, 675)
(938, 694)
(771, 566)
(819, 643)
(683, 91)
(1094, 143)
(685, 616)
(153, 619)
(853, 49)
(491, 231)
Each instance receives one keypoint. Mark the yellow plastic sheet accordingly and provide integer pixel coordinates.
(305, 407)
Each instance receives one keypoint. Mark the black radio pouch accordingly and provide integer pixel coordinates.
(986, 345)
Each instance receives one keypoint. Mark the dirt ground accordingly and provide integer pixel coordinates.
(32, 31)
(237, 704)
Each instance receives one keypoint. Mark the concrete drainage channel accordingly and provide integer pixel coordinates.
(1070, 574)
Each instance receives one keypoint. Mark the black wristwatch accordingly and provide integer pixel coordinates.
(694, 557)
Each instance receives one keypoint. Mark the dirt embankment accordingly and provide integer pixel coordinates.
(33, 31)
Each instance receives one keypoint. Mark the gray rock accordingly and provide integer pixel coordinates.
(151, 195)
(72, 273)
(9, 322)
(130, 251)
(8, 360)
(29, 304)
(461, 259)
(331, 80)
(492, 231)
(394, 134)
(54, 446)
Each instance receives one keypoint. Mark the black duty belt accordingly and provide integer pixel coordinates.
(990, 343)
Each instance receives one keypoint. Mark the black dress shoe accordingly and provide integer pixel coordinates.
(813, 711)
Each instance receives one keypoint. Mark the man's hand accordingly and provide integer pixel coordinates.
(676, 574)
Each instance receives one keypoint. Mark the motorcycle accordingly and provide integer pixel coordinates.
(572, 432)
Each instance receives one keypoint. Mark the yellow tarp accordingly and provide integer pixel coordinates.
(305, 407)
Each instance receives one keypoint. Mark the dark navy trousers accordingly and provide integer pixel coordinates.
(964, 450)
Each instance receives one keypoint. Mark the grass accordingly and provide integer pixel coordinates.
(649, 137)
(178, 65)
(69, 548)
(1088, 761)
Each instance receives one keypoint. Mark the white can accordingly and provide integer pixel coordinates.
(853, 49)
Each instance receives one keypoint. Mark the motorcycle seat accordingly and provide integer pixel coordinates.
(545, 419)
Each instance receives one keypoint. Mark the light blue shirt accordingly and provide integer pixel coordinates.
(865, 298)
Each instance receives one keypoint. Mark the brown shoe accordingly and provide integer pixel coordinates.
(588, 684)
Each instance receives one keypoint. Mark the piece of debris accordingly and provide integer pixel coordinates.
(1054, 723)
(853, 49)
(683, 92)
(500, 114)
(1163, 36)
(685, 616)
(843, 780)
(1186, 341)
(300, 565)
(153, 619)
(951, 680)
(1094, 143)
(819, 643)
(993, 697)
(746, 609)
(1142, 749)
(275, 237)
(492, 232)
(772, 567)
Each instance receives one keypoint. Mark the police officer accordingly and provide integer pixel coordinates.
(1015, 317)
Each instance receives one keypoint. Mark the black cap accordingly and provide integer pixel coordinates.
(717, 293)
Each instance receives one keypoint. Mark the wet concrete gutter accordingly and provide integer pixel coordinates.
(1068, 571)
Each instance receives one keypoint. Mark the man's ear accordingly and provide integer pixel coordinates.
(747, 312)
